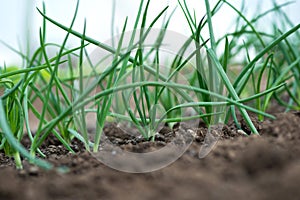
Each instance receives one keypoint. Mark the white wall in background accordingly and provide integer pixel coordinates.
(19, 19)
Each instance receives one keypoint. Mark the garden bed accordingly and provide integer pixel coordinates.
(148, 95)
(239, 167)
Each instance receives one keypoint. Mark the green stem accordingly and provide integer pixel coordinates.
(18, 161)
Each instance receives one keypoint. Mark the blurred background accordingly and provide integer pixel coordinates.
(20, 21)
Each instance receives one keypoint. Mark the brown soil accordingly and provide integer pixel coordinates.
(254, 167)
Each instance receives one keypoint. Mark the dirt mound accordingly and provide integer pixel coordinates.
(251, 167)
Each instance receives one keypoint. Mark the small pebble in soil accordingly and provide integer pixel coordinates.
(28, 170)
(33, 171)
(22, 172)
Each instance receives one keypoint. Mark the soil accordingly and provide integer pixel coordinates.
(239, 167)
